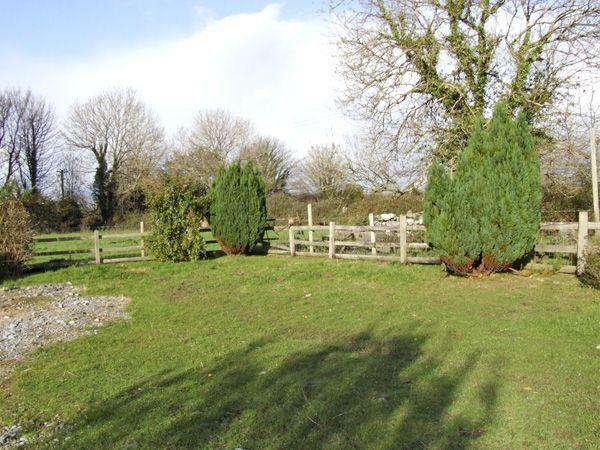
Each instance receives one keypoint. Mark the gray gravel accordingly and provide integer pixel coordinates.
(31, 317)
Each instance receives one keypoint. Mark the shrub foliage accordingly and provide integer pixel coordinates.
(177, 210)
(16, 237)
(238, 212)
(486, 217)
(591, 274)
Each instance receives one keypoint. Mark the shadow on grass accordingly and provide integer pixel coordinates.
(365, 392)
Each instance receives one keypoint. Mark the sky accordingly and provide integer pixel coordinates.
(272, 63)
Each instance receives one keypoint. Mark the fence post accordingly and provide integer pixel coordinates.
(97, 247)
(142, 244)
(372, 224)
(292, 241)
(403, 246)
(311, 249)
(582, 235)
(331, 240)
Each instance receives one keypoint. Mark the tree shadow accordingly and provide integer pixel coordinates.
(365, 391)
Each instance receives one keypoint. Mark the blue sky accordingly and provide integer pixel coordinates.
(70, 28)
(270, 62)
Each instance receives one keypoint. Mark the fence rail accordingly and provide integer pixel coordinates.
(334, 242)
(102, 252)
(98, 250)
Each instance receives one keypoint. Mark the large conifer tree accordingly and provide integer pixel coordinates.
(488, 215)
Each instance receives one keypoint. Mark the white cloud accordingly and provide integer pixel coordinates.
(278, 73)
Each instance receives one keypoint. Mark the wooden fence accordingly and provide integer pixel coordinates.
(97, 250)
(100, 252)
(333, 241)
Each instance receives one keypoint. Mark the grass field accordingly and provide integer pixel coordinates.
(273, 352)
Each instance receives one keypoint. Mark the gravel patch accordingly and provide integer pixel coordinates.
(31, 317)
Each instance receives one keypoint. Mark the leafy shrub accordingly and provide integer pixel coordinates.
(487, 216)
(16, 237)
(591, 274)
(177, 210)
(69, 214)
(49, 215)
(238, 212)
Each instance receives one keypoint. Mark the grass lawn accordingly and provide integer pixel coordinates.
(273, 352)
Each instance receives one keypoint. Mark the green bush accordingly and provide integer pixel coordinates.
(177, 210)
(16, 237)
(487, 216)
(238, 212)
(451, 227)
(49, 215)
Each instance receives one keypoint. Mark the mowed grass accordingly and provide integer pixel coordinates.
(278, 352)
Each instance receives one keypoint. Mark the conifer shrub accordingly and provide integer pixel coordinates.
(486, 217)
(238, 212)
(16, 237)
(177, 210)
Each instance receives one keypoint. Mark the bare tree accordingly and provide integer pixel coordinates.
(372, 165)
(5, 155)
(323, 171)
(71, 176)
(421, 71)
(36, 139)
(216, 138)
(221, 133)
(12, 111)
(273, 160)
(118, 130)
(196, 163)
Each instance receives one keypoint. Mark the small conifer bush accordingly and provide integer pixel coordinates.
(487, 216)
(176, 212)
(238, 212)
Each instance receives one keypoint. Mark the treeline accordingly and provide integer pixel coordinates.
(98, 166)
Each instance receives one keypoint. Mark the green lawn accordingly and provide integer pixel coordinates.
(274, 352)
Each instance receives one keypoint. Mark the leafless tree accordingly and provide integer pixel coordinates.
(120, 132)
(36, 141)
(372, 165)
(216, 138)
(71, 176)
(420, 71)
(274, 161)
(221, 133)
(566, 158)
(11, 121)
(323, 171)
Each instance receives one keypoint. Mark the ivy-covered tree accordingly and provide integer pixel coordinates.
(487, 216)
(238, 212)
(103, 191)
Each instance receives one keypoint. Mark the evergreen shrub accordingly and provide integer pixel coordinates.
(486, 216)
(238, 212)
